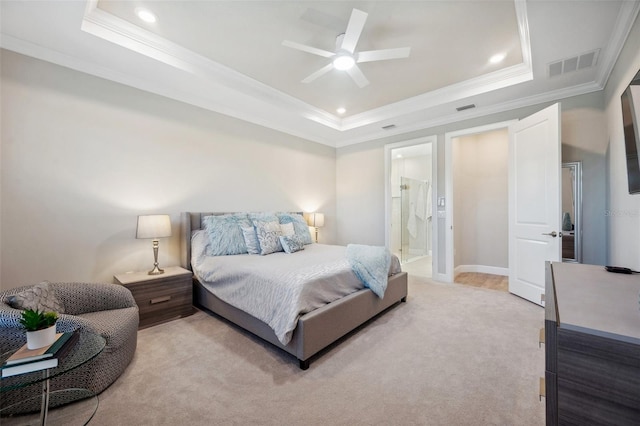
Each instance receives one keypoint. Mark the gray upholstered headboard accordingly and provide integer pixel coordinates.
(189, 222)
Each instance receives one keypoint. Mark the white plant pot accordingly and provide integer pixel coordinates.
(40, 338)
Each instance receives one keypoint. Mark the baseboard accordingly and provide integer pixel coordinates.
(483, 269)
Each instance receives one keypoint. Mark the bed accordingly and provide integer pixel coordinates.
(315, 330)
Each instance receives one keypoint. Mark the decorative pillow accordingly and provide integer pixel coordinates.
(300, 225)
(39, 297)
(263, 216)
(291, 243)
(199, 246)
(268, 236)
(225, 234)
(287, 229)
(251, 240)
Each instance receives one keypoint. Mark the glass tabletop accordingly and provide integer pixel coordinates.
(88, 346)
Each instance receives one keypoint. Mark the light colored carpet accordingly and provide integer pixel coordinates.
(451, 355)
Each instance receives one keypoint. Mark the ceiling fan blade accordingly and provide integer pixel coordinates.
(357, 76)
(354, 29)
(318, 73)
(383, 54)
(308, 49)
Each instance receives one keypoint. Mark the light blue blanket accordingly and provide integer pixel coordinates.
(371, 266)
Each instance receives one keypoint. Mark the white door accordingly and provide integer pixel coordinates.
(534, 201)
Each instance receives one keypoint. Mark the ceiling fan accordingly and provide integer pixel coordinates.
(345, 57)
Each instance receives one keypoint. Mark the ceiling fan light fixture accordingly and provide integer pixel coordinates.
(343, 62)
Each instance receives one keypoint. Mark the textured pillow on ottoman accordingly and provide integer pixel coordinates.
(39, 297)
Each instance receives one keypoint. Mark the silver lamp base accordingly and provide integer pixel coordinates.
(155, 270)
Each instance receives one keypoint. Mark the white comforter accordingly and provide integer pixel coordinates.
(279, 287)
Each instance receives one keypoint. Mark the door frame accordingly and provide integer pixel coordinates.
(447, 276)
(433, 140)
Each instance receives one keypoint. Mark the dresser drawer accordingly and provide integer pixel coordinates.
(158, 303)
(161, 298)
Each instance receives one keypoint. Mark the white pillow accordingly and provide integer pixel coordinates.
(199, 245)
(287, 229)
(268, 236)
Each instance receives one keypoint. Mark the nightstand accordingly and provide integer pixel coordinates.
(160, 298)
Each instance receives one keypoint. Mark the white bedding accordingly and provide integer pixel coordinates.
(279, 287)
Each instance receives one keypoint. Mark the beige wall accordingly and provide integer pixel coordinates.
(481, 199)
(584, 139)
(623, 210)
(360, 168)
(82, 157)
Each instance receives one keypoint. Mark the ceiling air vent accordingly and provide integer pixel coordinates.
(580, 62)
(462, 108)
(389, 126)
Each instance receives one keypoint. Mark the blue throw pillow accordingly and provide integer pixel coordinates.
(225, 234)
(251, 240)
(291, 243)
(299, 225)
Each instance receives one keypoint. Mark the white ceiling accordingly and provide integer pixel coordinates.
(227, 56)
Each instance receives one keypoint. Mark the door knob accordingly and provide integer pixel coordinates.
(552, 233)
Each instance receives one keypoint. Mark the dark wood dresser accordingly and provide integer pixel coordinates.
(160, 298)
(592, 346)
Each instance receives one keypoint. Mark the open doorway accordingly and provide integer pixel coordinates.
(481, 209)
(534, 200)
(477, 189)
(410, 183)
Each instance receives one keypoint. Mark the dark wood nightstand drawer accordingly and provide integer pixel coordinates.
(160, 298)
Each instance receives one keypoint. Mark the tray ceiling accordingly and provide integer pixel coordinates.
(227, 56)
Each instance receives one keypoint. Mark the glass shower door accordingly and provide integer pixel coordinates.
(414, 220)
(407, 223)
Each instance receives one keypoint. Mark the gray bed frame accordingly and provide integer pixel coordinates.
(315, 330)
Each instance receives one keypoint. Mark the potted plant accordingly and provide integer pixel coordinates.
(40, 326)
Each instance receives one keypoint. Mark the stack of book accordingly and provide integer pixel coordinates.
(26, 360)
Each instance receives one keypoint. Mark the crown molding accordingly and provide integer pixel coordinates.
(626, 17)
(118, 31)
(475, 113)
(188, 77)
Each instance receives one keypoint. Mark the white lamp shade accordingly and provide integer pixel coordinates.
(316, 220)
(154, 226)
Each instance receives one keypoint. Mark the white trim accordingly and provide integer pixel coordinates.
(482, 269)
(417, 125)
(433, 140)
(116, 30)
(624, 22)
(448, 182)
(252, 101)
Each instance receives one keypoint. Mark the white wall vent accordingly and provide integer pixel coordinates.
(575, 63)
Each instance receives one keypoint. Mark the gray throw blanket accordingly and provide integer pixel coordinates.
(371, 266)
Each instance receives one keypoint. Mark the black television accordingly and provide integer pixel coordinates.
(631, 121)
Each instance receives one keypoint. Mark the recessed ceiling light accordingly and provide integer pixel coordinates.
(146, 15)
(399, 156)
(497, 58)
(341, 110)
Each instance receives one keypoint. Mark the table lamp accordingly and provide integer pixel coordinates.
(154, 226)
(317, 221)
